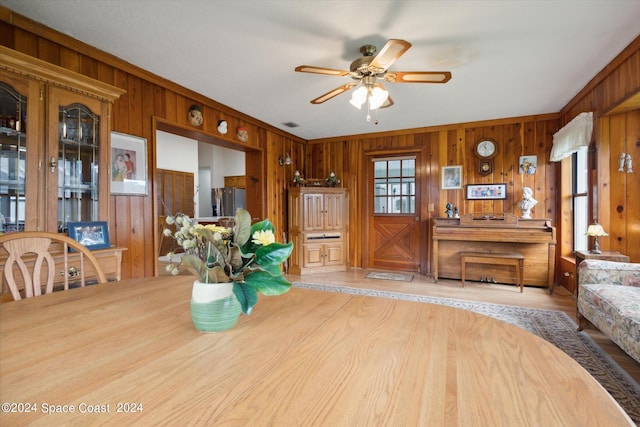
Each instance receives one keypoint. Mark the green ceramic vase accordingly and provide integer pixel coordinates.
(214, 307)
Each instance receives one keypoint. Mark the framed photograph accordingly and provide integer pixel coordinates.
(486, 191)
(128, 160)
(451, 177)
(92, 234)
(528, 165)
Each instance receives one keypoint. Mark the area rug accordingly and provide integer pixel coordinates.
(554, 326)
(400, 277)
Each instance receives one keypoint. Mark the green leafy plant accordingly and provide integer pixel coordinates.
(246, 255)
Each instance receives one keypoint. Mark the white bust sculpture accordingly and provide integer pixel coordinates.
(527, 202)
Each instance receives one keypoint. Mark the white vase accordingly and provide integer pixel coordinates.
(214, 306)
(206, 292)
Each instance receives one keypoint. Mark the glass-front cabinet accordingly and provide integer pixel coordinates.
(17, 153)
(77, 147)
(54, 145)
(78, 164)
(13, 155)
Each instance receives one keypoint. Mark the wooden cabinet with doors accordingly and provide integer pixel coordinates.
(54, 150)
(318, 228)
(54, 145)
(322, 210)
(175, 191)
(236, 181)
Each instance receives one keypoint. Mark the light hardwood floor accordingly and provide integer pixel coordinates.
(532, 297)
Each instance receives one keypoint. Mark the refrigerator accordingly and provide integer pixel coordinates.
(226, 200)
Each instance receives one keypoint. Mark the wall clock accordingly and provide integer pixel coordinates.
(485, 167)
(485, 149)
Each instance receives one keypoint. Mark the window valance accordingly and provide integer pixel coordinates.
(572, 137)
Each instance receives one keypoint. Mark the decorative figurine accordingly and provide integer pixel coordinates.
(629, 164)
(332, 179)
(298, 179)
(621, 163)
(527, 203)
(195, 115)
(243, 134)
(449, 210)
(455, 212)
(222, 127)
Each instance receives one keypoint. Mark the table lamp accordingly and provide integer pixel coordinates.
(596, 231)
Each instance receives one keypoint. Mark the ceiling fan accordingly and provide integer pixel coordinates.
(370, 68)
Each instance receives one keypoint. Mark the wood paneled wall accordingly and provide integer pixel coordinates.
(444, 146)
(152, 103)
(151, 100)
(614, 97)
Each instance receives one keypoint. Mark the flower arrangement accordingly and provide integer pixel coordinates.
(246, 255)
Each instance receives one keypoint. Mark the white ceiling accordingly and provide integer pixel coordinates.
(508, 57)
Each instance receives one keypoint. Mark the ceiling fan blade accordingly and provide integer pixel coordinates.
(391, 51)
(320, 70)
(418, 77)
(335, 92)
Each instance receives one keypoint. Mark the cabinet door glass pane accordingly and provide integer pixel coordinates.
(78, 159)
(13, 156)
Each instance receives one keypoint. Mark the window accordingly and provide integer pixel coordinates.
(394, 186)
(580, 199)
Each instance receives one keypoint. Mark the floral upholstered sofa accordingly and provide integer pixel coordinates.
(609, 298)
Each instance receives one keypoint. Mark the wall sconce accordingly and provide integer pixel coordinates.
(625, 161)
(284, 160)
(596, 231)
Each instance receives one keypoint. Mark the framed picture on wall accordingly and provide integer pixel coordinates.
(451, 177)
(128, 165)
(486, 191)
(528, 165)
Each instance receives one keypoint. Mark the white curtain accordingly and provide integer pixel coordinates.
(572, 137)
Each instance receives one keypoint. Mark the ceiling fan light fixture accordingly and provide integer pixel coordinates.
(377, 97)
(374, 65)
(359, 97)
(374, 96)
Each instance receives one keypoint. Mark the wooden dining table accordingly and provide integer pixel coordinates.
(127, 353)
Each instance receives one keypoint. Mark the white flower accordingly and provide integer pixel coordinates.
(217, 228)
(187, 244)
(167, 232)
(263, 237)
(170, 220)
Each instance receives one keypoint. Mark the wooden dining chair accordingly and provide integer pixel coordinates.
(34, 260)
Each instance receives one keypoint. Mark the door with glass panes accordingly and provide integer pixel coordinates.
(19, 152)
(77, 159)
(394, 225)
